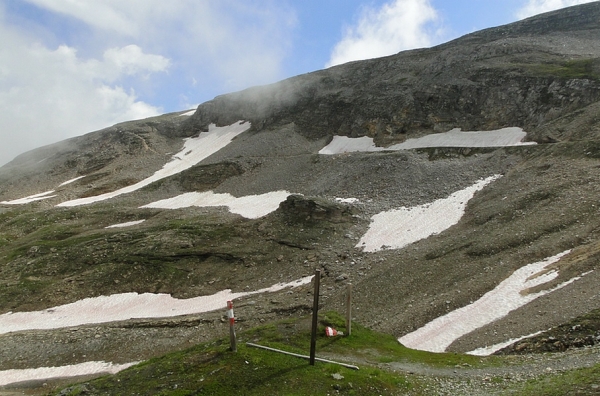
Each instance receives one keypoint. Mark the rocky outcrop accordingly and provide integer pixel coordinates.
(299, 209)
(578, 333)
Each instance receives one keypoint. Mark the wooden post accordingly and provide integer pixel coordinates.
(232, 338)
(313, 335)
(349, 309)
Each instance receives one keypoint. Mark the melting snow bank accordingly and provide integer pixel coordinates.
(31, 198)
(397, 228)
(36, 374)
(509, 295)
(454, 138)
(125, 306)
(250, 206)
(194, 151)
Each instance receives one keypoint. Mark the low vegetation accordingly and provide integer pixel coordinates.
(211, 368)
(385, 368)
(572, 69)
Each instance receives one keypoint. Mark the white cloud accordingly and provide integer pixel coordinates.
(396, 26)
(100, 73)
(240, 42)
(47, 95)
(534, 7)
(101, 14)
(131, 60)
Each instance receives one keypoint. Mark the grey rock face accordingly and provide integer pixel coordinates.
(526, 74)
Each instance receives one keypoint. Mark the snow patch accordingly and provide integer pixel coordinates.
(31, 198)
(128, 224)
(512, 136)
(509, 295)
(188, 113)
(344, 144)
(125, 306)
(347, 200)
(194, 151)
(488, 350)
(70, 181)
(398, 228)
(250, 206)
(456, 138)
(43, 373)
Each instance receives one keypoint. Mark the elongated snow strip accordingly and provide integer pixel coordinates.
(125, 306)
(250, 206)
(31, 198)
(194, 151)
(70, 181)
(488, 350)
(128, 224)
(398, 228)
(13, 376)
(455, 138)
(438, 334)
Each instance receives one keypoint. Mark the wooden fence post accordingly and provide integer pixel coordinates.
(313, 335)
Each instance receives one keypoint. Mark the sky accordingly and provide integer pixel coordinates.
(68, 67)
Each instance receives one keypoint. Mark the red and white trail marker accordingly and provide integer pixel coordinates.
(232, 337)
(331, 332)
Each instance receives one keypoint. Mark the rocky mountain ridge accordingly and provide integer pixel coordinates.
(517, 75)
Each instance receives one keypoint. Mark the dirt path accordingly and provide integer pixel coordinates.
(468, 380)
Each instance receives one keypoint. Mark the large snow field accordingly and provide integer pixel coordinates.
(194, 151)
(455, 138)
(105, 309)
(509, 295)
(250, 206)
(125, 306)
(397, 228)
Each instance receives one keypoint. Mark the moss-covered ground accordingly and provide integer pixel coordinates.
(212, 369)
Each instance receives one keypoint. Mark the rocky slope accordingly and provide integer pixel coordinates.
(541, 74)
